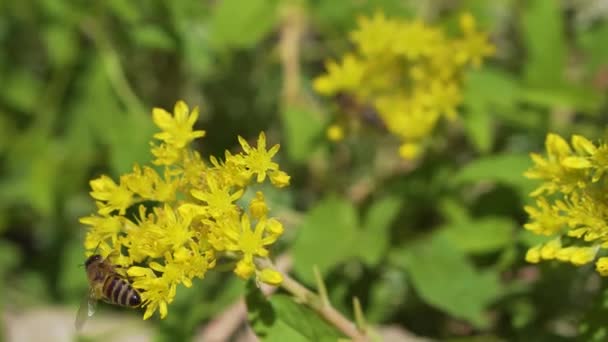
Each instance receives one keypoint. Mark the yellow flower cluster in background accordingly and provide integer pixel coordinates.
(409, 71)
(195, 219)
(571, 202)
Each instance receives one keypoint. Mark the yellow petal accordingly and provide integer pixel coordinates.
(533, 255)
(583, 255)
(602, 266)
(409, 151)
(582, 145)
(574, 162)
(557, 146)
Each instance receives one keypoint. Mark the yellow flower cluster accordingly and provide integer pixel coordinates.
(409, 71)
(195, 218)
(571, 202)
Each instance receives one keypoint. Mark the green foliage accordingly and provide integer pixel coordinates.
(237, 24)
(434, 246)
(464, 294)
(332, 234)
(506, 169)
(545, 46)
(303, 130)
(279, 318)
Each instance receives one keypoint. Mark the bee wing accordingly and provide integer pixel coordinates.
(86, 310)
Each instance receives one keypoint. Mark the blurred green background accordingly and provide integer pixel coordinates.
(432, 248)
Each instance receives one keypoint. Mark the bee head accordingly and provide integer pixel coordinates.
(93, 258)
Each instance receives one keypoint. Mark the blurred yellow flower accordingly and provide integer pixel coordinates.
(571, 207)
(197, 218)
(335, 133)
(411, 72)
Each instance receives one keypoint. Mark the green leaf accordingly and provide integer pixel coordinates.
(491, 86)
(126, 134)
(326, 237)
(571, 96)
(302, 319)
(152, 37)
(592, 41)
(10, 257)
(61, 44)
(479, 127)
(445, 279)
(22, 90)
(373, 239)
(503, 168)
(486, 234)
(241, 24)
(72, 281)
(543, 36)
(281, 319)
(487, 90)
(302, 128)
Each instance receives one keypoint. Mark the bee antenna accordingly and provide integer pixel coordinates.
(95, 251)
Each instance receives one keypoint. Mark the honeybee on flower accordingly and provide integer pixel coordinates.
(197, 219)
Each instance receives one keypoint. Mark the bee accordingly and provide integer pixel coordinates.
(107, 285)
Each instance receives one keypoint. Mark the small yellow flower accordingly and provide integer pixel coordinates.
(409, 151)
(177, 128)
(335, 133)
(258, 207)
(219, 200)
(279, 179)
(601, 265)
(270, 276)
(110, 195)
(533, 255)
(259, 160)
(549, 250)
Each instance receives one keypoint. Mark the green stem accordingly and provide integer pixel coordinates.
(316, 303)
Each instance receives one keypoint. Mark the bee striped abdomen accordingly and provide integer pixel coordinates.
(119, 291)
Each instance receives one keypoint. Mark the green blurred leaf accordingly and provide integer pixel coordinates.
(487, 91)
(543, 36)
(326, 237)
(302, 128)
(481, 235)
(445, 279)
(491, 87)
(61, 45)
(126, 134)
(373, 239)
(506, 168)
(231, 290)
(191, 24)
(479, 127)
(281, 319)
(302, 319)
(128, 11)
(10, 257)
(592, 41)
(152, 37)
(72, 277)
(568, 96)
(241, 24)
(21, 89)
(387, 295)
